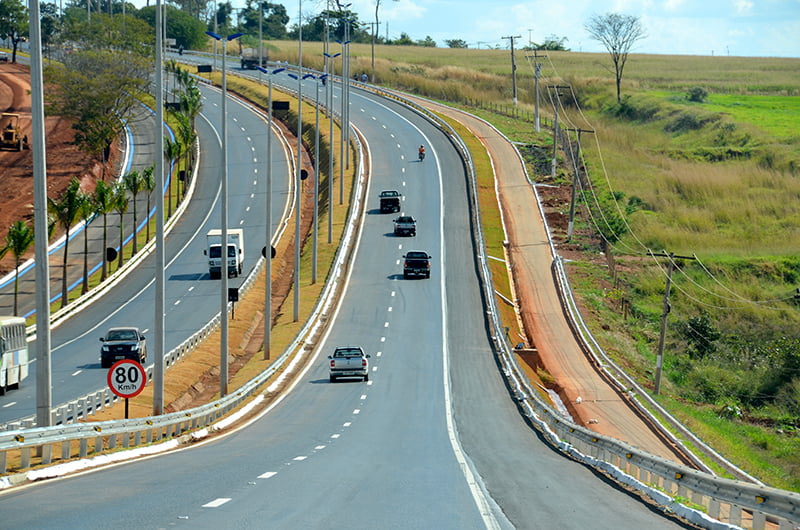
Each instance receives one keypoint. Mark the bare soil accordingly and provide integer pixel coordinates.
(64, 159)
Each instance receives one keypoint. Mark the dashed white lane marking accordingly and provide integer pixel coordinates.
(378, 354)
(356, 411)
(247, 209)
(383, 339)
(386, 324)
(191, 289)
(216, 503)
(390, 309)
(363, 396)
(394, 292)
(347, 424)
(76, 372)
(9, 404)
(319, 448)
(268, 474)
(334, 436)
(177, 302)
(299, 458)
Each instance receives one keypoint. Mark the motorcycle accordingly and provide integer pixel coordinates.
(421, 156)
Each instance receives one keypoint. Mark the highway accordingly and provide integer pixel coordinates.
(432, 441)
(76, 346)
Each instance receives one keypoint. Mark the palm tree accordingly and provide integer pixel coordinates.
(18, 241)
(86, 213)
(134, 184)
(103, 205)
(119, 199)
(172, 150)
(187, 136)
(65, 210)
(149, 184)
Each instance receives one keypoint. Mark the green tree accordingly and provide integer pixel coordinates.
(86, 213)
(553, 43)
(119, 200)
(186, 137)
(127, 33)
(187, 30)
(173, 150)
(273, 23)
(103, 202)
(618, 33)
(134, 184)
(456, 43)
(427, 42)
(13, 24)
(149, 183)
(65, 210)
(700, 334)
(18, 240)
(97, 90)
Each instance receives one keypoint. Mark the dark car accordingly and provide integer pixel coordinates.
(417, 263)
(390, 201)
(122, 343)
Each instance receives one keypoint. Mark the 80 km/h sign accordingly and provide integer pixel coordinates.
(126, 378)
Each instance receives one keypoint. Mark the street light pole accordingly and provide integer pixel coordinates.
(223, 353)
(268, 248)
(158, 364)
(329, 106)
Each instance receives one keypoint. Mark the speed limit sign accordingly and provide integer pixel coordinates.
(126, 378)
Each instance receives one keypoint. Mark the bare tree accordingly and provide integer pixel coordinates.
(374, 34)
(617, 33)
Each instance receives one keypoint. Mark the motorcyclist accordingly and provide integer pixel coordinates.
(421, 152)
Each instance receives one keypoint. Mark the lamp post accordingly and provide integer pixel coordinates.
(316, 176)
(223, 353)
(329, 106)
(268, 248)
(343, 116)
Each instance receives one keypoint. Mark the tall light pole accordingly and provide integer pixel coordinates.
(158, 363)
(268, 247)
(44, 387)
(329, 104)
(316, 176)
(298, 182)
(223, 351)
(343, 116)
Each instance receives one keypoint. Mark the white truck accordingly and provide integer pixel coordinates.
(349, 361)
(235, 257)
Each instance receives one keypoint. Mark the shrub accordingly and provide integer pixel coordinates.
(697, 94)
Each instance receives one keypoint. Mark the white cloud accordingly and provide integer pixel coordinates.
(743, 7)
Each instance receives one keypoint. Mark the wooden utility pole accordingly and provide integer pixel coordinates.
(557, 89)
(664, 313)
(513, 68)
(374, 26)
(537, 70)
(576, 166)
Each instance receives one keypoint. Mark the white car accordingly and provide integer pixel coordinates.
(3, 57)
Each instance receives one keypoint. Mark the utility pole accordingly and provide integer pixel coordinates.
(557, 89)
(537, 70)
(664, 313)
(513, 67)
(575, 181)
(374, 26)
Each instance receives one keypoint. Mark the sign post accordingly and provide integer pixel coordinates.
(126, 378)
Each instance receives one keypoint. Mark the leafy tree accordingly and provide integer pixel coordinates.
(119, 201)
(273, 22)
(427, 42)
(194, 8)
(18, 240)
(403, 40)
(149, 182)
(86, 213)
(553, 43)
(97, 90)
(701, 335)
(65, 210)
(173, 150)
(456, 43)
(133, 183)
(617, 33)
(187, 30)
(186, 137)
(13, 24)
(104, 32)
(50, 23)
(103, 203)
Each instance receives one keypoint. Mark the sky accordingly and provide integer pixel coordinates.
(753, 28)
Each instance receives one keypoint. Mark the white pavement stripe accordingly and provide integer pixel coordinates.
(216, 503)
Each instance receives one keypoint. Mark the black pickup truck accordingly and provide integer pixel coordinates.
(417, 263)
(390, 201)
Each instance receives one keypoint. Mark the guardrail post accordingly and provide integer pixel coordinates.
(47, 454)
(84, 447)
(137, 438)
(735, 516)
(98, 444)
(25, 458)
(112, 442)
(3, 468)
(759, 521)
(65, 450)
